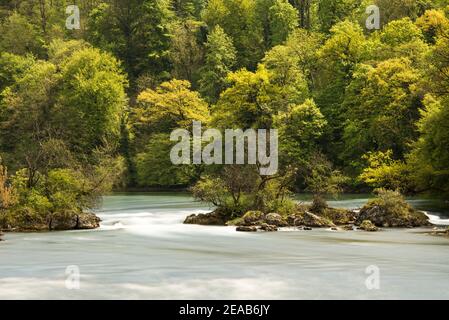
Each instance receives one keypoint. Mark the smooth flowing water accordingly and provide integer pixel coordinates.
(143, 251)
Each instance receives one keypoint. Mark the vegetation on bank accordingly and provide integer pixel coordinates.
(82, 111)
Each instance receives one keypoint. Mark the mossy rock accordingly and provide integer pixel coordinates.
(367, 225)
(339, 216)
(275, 219)
(215, 218)
(268, 228)
(309, 219)
(236, 222)
(246, 229)
(390, 209)
(24, 220)
(253, 217)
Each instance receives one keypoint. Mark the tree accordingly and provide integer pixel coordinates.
(299, 128)
(185, 51)
(277, 18)
(283, 20)
(12, 67)
(433, 23)
(331, 12)
(382, 105)
(430, 156)
(30, 40)
(402, 38)
(383, 171)
(254, 98)
(171, 106)
(304, 46)
(239, 21)
(337, 58)
(136, 32)
(186, 9)
(397, 9)
(154, 167)
(7, 193)
(304, 8)
(75, 105)
(92, 99)
(220, 60)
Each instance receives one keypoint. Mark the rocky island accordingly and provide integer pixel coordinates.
(389, 209)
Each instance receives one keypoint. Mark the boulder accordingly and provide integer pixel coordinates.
(309, 219)
(381, 216)
(63, 221)
(339, 216)
(88, 221)
(268, 227)
(389, 209)
(236, 222)
(368, 226)
(214, 218)
(275, 219)
(247, 229)
(253, 217)
(73, 221)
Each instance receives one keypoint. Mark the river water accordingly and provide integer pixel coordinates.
(143, 251)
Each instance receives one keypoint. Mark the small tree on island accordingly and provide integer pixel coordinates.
(322, 180)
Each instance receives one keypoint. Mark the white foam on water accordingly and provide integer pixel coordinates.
(436, 220)
(161, 224)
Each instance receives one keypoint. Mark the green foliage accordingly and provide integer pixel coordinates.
(220, 60)
(283, 19)
(384, 172)
(430, 155)
(30, 40)
(172, 105)
(338, 59)
(139, 36)
(239, 20)
(12, 67)
(330, 12)
(92, 99)
(154, 167)
(343, 98)
(299, 129)
(186, 52)
(253, 98)
(382, 104)
(239, 189)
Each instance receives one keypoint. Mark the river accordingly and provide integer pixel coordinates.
(143, 251)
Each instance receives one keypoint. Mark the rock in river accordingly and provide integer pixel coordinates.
(73, 221)
(208, 219)
(368, 226)
(382, 216)
(309, 219)
(247, 229)
(275, 219)
(268, 227)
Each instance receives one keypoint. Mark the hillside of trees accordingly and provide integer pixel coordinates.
(87, 110)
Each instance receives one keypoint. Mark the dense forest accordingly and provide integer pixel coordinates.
(89, 109)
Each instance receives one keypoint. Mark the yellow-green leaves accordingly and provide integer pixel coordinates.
(172, 103)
